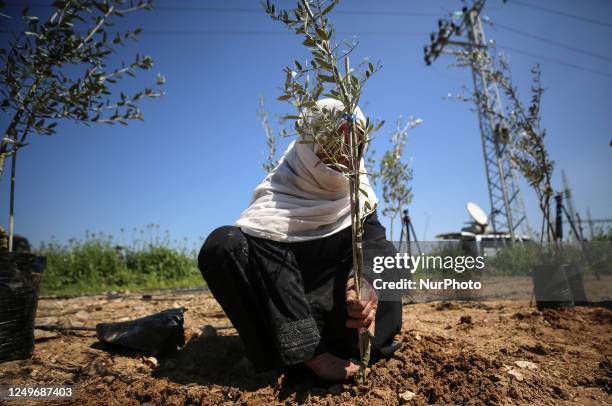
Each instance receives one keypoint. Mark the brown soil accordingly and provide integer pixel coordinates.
(451, 353)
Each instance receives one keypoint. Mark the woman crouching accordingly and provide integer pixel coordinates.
(283, 273)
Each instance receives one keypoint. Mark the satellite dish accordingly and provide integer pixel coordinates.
(477, 214)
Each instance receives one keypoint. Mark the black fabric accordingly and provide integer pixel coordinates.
(287, 300)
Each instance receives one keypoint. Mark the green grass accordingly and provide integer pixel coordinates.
(95, 264)
(516, 260)
(520, 259)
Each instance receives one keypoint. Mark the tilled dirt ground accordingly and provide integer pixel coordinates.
(493, 352)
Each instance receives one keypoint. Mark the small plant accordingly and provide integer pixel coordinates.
(263, 116)
(57, 69)
(322, 75)
(518, 127)
(395, 174)
(529, 152)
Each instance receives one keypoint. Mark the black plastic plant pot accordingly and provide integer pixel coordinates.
(20, 276)
(551, 287)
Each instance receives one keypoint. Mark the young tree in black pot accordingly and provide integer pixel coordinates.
(51, 70)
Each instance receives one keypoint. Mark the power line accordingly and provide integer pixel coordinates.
(562, 13)
(381, 33)
(552, 42)
(339, 12)
(557, 61)
(253, 32)
(247, 33)
(259, 10)
(346, 12)
(376, 33)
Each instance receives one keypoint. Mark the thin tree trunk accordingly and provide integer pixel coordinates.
(11, 133)
(12, 198)
(365, 340)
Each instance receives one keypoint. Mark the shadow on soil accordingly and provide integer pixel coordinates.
(220, 360)
(213, 360)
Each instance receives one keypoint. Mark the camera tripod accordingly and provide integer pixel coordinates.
(408, 228)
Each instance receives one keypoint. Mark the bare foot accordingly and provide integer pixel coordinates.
(331, 368)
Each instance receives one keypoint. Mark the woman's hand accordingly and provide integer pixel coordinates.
(361, 313)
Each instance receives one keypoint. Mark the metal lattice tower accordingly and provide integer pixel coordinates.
(507, 208)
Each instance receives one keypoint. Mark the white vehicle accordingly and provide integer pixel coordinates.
(478, 238)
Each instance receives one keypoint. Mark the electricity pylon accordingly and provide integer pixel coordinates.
(507, 206)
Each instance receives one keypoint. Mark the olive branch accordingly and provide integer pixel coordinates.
(57, 69)
(396, 174)
(320, 126)
(518, 126)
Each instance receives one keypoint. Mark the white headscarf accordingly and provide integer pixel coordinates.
(303, 199)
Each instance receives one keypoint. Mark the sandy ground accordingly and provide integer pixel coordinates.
(492, 352)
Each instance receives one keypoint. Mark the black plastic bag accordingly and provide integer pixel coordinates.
(152, 334)
(20, 276)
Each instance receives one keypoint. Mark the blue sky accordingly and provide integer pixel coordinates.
(192, 164)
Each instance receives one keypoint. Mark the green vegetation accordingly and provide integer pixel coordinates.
(517, 259)
(602, 234)
(520, 259)
(98, 263)
(444, 251)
